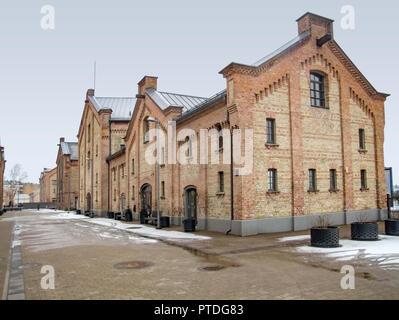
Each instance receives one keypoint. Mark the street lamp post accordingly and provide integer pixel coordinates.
(157, 173)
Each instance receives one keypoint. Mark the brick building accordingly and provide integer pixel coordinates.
(316, 129)
(103, 125)
(2, 168)
(48, 185)
(67, 175)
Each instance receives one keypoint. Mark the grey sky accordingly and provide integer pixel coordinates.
(44, 74)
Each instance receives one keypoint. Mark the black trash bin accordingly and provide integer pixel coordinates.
(142, 217)
(189, 225)
(110, 214)
(78, 211)
(129, 215)
(165, 222)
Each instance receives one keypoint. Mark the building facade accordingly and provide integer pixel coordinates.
(102, 129)
(2, 168)
(305, 126)
(48, 185)
(67, 175)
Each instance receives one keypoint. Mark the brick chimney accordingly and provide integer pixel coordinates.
(62, 139)
(319, 26)
(89, 93)
(147, 82)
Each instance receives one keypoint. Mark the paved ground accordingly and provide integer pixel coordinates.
(85, 255)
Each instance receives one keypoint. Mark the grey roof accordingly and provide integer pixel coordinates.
(70, 148)
(167, 99)
(203, 104)
(122, 107)
(280, 50)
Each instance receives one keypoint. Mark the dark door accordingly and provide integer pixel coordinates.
(191, 203)
(89, 202)
(146, 198)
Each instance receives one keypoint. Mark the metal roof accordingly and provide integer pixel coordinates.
(167, 99)
(122, 107)
(70, 148)
(203, 104)
(280, 50)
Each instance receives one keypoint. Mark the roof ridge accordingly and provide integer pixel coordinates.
(116, 97)
(182, 95)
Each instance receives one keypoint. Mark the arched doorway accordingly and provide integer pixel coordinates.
(190, 202)
(123, 203)
(88, 197)
(146, 198)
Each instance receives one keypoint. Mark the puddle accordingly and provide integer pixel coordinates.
(133, 265)
(212, 268)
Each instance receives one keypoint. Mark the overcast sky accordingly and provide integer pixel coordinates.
(44, 74)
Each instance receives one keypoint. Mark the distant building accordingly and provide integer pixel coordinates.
(102, 128)
(67, 175)
(2, 167)
(48, 185)
(21, 198)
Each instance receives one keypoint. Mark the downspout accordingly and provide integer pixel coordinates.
(231, 177)
(109, 165)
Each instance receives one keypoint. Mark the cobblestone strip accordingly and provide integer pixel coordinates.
(16, 289)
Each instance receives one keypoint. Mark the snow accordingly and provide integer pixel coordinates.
(384, 251)
(295, 238)
(140, 230)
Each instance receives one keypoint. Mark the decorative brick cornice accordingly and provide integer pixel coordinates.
(354, 71)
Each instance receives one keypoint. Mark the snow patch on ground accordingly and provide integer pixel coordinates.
(144, 231)
(295, 238)
(384, 251)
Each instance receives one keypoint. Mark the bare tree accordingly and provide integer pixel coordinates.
(15, 180)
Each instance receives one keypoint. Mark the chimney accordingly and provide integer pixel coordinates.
(147, 82)
(89, 93)
(62, 139)
(318, 26)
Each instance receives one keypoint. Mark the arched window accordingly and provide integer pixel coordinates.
(220, 135)
(146, 130)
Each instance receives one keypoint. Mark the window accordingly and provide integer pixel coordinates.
(132, 166)
(189, 151)
(220, 135)
(362, 144)
(123, 171)
(114, 170)
(96, 196)
(270, 131)
(96, 150)
(133, 193)
(363, 179)
(96, 178)
(163, 189)
(146, 132)
(272, 180)
(114, 194)
(312, 179)
(317, 98)
(333, 179)
(88, 160)
(221, 181)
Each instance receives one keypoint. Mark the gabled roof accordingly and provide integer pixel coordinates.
(122, 107)
(70, 148)
(282, 49)
(167, 99)
(204, 104)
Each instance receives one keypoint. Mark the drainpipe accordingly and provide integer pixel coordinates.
(231, 177)
(109, 165)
